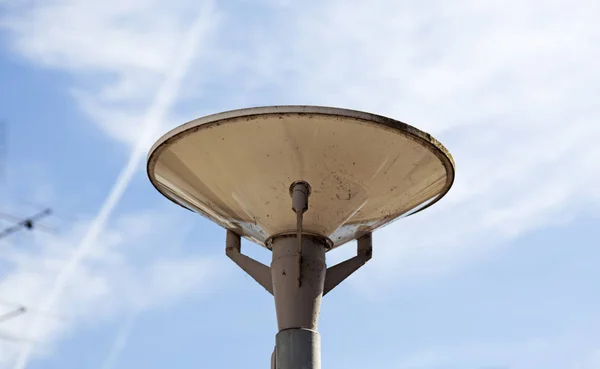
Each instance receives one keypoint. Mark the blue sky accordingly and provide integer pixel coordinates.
(500, 274)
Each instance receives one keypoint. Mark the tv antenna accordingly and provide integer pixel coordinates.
(8, 316)
(300, 181)
(27, 222)
(17, 310)
(13, 314)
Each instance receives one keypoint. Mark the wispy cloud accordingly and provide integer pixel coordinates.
(120, 341)
(119, 52)
(507, 88)
(117, 278)
(156, 113)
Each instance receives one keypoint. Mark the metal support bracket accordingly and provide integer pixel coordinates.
(337, 273)
(258, 271)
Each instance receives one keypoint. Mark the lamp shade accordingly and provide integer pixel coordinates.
(364, 170)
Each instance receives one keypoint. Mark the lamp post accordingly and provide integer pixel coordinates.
(300, 181)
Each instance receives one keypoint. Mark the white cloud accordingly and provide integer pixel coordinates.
(118, 51)
(129, 271)
(120, 342)
(509, 88)
(58, 51)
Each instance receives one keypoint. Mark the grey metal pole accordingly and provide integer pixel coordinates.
(298, 349)
(298, 306)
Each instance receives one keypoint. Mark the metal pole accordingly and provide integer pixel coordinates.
(298, 349)
(298, 307)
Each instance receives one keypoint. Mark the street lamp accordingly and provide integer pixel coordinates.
(300, 181)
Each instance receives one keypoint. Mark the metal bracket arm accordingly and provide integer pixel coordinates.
(258, 271)
(337, 273)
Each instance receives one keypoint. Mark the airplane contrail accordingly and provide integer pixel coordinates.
(164, 99)
(120, 341)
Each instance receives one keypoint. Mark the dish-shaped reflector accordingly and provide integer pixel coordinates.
(364, 170)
